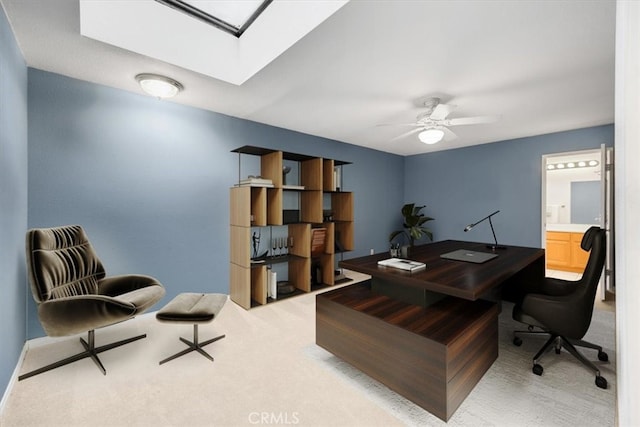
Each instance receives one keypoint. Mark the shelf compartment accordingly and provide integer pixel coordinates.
(342, 206)
(300, 273)
(327, 265)
(274, 206)
(331, 242)
(328, 181)
(311, 207)
(240, 239)
(271, 167)
(259, 284)
(301, 234)
(248, 202)
(239, 288)
(240, 206)
(311, 174)
(344, 232)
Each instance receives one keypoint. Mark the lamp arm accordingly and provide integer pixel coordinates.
(485, 218)
(493, 231)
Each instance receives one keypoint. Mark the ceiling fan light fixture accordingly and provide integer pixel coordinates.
(158, 86)
(431, 136)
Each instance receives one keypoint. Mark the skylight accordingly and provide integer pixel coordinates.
(232, 16)
(150, 28)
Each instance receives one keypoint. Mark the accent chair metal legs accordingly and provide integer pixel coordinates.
(90, 350)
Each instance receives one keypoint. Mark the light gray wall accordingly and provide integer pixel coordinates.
(13, 200)
(464, 185)
(150, 179)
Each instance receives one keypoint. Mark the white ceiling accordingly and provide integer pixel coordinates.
(542, 66)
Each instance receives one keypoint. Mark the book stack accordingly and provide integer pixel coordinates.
(256, 182)
(317, 241)
(403, 264)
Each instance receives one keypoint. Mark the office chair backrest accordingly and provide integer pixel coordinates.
(61, 263)
(584, 296)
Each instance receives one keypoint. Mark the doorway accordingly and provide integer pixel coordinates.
(577, 193)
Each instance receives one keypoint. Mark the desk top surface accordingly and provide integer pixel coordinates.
(456, 278)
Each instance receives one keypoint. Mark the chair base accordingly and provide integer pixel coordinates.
(558, 342)
(90, 351)
(193, 346)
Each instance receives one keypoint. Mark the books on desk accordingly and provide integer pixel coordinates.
(403, 264)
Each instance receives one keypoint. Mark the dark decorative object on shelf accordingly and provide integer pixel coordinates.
(285, 288)
(285, 171)
(256, 243)
(290, 216)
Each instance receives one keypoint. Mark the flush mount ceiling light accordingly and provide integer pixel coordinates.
(158, 86)
(431, 136)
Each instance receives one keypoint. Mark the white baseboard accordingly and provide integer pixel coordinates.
(14, 377)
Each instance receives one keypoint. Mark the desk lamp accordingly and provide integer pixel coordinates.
(494, 246)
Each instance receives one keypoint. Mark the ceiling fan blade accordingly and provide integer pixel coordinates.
(472, 120)
(400, 124)
(448, 134)
(411, 132)
(441, 111)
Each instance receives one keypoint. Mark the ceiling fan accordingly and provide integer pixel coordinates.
(433, 124)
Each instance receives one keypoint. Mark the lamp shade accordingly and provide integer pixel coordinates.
(431, 136)
(158, 86)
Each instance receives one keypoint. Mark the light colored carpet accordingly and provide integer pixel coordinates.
(269, 371)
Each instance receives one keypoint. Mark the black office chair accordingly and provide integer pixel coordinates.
(563, 308)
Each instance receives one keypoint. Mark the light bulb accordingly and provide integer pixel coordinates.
(431, 136)
(158, 86)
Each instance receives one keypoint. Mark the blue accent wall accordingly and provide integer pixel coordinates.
(13, 200)
(150, 179)
(462, 186)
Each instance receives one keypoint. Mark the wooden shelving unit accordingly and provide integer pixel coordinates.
(252, 207)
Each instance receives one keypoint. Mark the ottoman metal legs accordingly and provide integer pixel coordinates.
(195, 345)
(192, 308)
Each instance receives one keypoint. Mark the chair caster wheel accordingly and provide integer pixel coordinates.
(603, 357)
(517, 341)
(537, 369)
(601, 382)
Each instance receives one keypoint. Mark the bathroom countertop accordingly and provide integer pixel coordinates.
(569, 228)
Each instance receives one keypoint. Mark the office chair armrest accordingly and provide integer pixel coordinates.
(556, 313)
(72, 315)
(114, 286)
(557, 287)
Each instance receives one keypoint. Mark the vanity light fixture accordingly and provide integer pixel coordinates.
(158, 86)
(431, 136)
(572, 165)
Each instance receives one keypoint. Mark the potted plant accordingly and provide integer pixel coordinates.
(413, 224)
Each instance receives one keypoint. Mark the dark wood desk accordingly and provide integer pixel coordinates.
(456, 278)
(433, 351)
